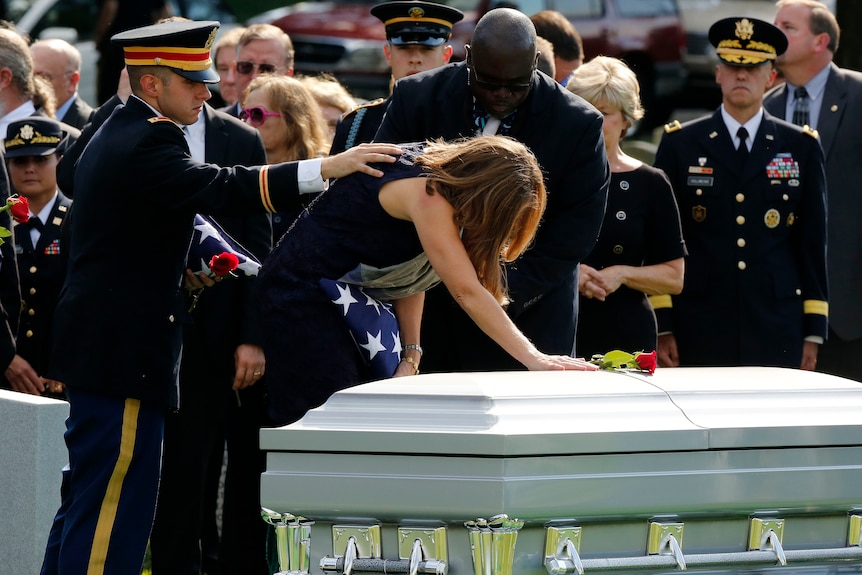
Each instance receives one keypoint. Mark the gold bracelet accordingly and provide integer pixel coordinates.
(412, 362)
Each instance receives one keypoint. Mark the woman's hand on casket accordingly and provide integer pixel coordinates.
(559, 362)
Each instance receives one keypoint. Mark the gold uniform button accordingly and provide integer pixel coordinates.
(785, 197)
(741, 242)
(740, 265)
(618, 249)
(31, 311)
(798, 291)
(698, 192)
(740, 220)
(171, 318)
(32, 269)
(740, 197)
(29, 333)
(32, 291)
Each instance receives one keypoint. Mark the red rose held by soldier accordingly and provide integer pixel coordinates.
(19, 207)
(223, 263)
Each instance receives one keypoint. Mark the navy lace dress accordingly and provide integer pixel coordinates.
(310, 353)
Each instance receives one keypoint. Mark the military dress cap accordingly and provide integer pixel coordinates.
(184, 47)
(424, 23)
(33, 136)
(746, 42)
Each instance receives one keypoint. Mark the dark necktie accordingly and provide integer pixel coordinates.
(742, 150)
(34, 223)
(800, 112)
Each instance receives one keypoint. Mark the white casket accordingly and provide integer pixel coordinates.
(572, 472)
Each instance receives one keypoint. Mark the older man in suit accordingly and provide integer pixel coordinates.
(831, 104)
(60, 63)
(498, 91)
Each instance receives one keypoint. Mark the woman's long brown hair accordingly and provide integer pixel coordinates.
(497, 189)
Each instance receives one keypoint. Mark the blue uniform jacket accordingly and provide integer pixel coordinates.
(118, 321)
(755, 278)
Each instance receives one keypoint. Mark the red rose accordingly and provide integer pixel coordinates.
(646, 361)
(19, 207)
(224, 263)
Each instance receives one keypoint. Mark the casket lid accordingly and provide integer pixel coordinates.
(556, 413)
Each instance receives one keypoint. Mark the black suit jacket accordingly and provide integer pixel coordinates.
(755, 278)
(226, 314)
(565, 134)
(838, 124)
(78, 114)
(117, 325)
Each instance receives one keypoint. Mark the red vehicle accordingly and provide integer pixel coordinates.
(344, 39)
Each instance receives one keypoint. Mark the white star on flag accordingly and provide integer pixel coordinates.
(344, 299)
(371, 302)
(373, 344)
(209, 240)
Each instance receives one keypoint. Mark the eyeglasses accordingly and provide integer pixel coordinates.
(246, 68)
(50, 77)
(256, 116)
(514, 88)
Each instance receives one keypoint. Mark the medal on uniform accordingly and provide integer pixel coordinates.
(772, 218)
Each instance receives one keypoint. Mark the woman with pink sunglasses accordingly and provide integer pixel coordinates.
(290, 123)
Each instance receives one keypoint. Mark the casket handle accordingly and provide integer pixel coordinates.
(565, 561)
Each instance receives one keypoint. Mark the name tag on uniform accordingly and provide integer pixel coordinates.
(700, 180)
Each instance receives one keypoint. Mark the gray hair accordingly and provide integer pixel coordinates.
(15, 55)
(268, 32)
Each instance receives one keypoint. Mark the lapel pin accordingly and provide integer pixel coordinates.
(713, 135)
(834, 107)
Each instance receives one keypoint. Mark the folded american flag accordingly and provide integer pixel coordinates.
(210, 240)
(371, 323)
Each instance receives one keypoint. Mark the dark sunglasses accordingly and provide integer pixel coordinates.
(515, 88)
(256, 116)
(246, 68)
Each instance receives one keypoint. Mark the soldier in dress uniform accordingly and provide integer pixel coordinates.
(416, 40)
(31, 152)
(117, 330)
(751, 191)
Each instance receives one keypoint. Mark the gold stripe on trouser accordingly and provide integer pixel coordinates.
(108, 512)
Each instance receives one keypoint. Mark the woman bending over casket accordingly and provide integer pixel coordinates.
(450, 212)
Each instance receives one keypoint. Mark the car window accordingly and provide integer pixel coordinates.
(642, 8)
(80, 15)
(579, 8)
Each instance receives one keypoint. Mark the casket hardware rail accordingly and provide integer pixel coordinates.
(423, 550)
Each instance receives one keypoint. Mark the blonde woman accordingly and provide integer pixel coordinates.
(640, 248)
(290, 124)
(333, 98)
(443, 212)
